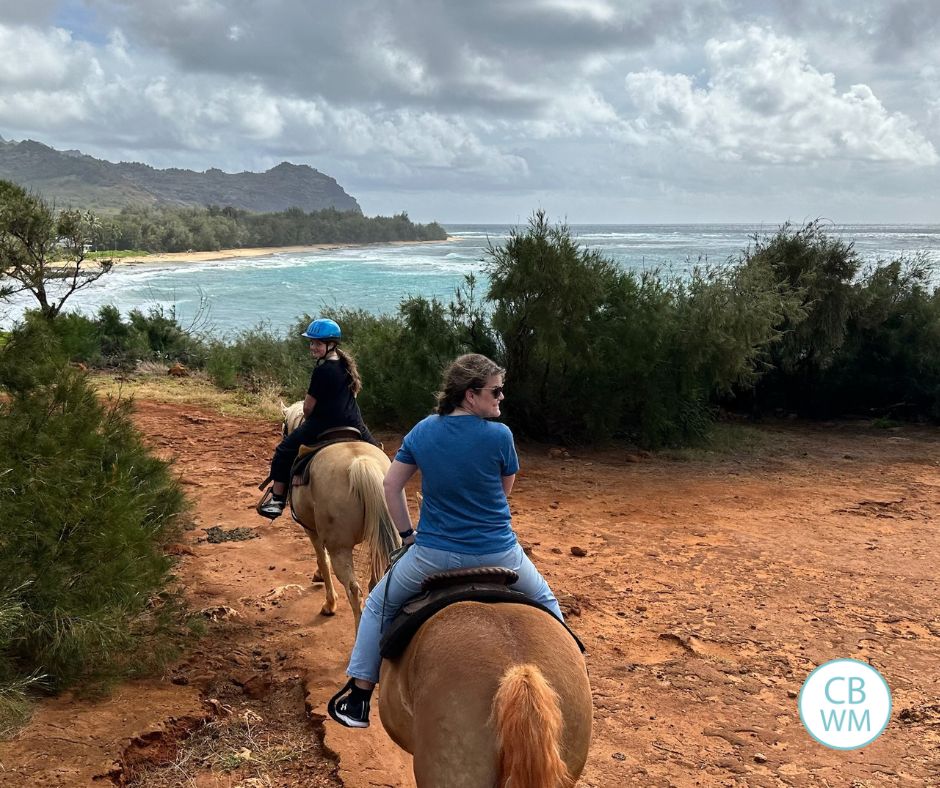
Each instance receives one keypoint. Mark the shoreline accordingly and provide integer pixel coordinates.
(181, 258)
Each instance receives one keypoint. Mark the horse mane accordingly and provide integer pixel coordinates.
(293, 416)
(528, 724)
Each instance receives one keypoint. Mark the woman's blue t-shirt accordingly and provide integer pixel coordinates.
(462, 460)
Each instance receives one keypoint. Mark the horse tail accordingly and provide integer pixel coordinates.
(528, 731)
(365, 479)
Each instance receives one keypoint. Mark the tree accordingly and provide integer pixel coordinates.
(43, 251)
(546, 292)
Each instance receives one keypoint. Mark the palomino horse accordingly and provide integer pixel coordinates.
(342, 505)
(490, 695)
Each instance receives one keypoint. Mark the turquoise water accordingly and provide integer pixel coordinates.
(228, 295)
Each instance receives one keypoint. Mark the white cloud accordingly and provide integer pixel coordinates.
(41, 60)
(763, 101)
(524, 101)
(595, 10)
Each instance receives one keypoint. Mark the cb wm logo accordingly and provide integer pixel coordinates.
(845, 704)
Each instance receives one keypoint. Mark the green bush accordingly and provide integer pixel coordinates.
(108, 341)
(259, 359)
(890, 360)
(121, 344)
(548, 296)
(817, 273)
(401, 357)
(222, 364)
(78, 337)
(593, 351)
(84, 511)
(166, 339)
(14, 703)
(851, 343)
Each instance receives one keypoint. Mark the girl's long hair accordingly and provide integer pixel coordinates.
(352, 370)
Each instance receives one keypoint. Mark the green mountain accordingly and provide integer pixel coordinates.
(70, 178)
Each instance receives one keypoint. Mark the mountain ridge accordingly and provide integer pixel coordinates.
(82, 181)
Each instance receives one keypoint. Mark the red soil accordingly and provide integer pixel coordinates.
(709, 590)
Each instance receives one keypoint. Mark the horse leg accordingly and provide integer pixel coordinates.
(346, 572)
(323, 565)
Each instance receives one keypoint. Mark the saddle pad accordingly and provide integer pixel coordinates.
(495, 575)
(416, 611)
(305, 454)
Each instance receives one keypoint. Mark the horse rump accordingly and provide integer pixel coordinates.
(528, 725)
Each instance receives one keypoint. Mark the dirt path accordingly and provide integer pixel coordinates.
(710, 589)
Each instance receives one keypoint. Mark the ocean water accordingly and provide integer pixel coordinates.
(226, 296)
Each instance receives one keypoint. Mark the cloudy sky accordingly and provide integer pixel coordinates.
(595, 110)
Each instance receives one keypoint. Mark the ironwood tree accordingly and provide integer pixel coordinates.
(43, 251)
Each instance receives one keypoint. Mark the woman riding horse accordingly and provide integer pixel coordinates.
(330, 402)
(468, 464)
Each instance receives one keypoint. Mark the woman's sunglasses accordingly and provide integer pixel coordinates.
(497, 390)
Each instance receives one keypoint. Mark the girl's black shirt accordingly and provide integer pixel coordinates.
(336, 406)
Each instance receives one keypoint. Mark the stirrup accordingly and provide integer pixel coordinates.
(269, 507)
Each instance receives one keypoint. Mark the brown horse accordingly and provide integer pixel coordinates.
(490, 695)
(342, 505)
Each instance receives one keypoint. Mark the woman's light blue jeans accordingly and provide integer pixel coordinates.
(403, 582)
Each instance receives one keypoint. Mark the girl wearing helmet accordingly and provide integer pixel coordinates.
(330, 402)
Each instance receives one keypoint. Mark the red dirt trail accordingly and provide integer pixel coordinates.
(710, 589)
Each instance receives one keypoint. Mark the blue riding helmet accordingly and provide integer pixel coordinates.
(324, 329)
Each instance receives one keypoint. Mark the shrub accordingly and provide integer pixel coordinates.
(890, 360)
(14, 705)
(547, 294)
(851, 342)
(222, 365)
(373, 340)
(593, 351)
(84, 511)
(121, 344)
(78, 337)
(258, 359)
(166, 338)
(816, 273)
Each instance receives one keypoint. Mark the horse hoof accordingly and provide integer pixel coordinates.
(325, 611)
(317, 577)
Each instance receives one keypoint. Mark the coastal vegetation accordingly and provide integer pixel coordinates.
(43, 251)
(794, 324)
(180, 229)
(85, 513)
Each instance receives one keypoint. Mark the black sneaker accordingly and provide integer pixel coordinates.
(349, 708)
(272, 509)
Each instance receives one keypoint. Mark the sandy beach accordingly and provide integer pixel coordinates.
(180, 258)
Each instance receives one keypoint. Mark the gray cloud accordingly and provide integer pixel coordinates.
(33, 12)
(594, 109)
(496, 57)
